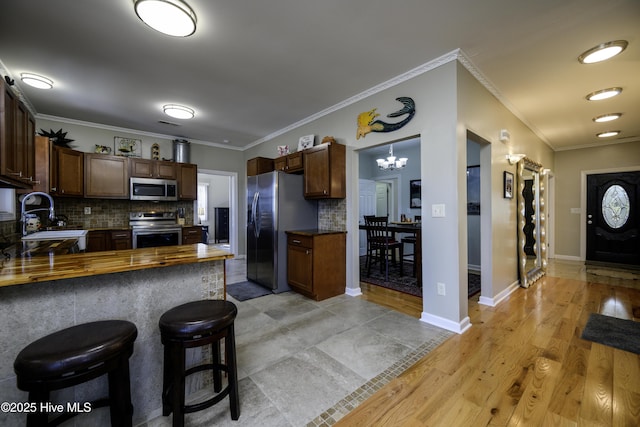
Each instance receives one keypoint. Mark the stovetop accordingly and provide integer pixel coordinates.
(153, 219)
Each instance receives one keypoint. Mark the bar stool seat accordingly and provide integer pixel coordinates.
(196, 324)
(76, 355)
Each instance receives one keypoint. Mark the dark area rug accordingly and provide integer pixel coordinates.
(407, 283)
(244, 291)
(619, 333)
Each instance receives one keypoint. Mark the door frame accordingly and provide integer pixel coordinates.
(583, 201)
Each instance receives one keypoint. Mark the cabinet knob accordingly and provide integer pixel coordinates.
(308, 251)
(54, 189)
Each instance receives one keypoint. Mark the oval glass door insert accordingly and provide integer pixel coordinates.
(615, 206)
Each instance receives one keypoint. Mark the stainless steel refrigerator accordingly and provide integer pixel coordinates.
(275, 204)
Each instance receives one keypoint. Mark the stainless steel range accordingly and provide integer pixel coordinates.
(149, 229)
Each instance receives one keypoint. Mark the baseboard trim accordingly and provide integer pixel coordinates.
(568, 257)
(492, 302)
(449, 325)
(353, 292)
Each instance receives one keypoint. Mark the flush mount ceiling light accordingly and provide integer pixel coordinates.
(391, 163)
(171, 17)
(603, 51)
(607, 117)
(604, 94)
(608, 134)
(178, 111)
(36, 81)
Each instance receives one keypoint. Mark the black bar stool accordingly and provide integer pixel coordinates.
(196, 324)
(76, 355)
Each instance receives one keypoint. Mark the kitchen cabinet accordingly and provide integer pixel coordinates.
(316, 263)
(17, 136)
(146, 168)
(119, 239)
(291, 163)
(106, 176)
(221, 217)
(108, 240)
(325, 171)
(191, 235)
(42, 164)
(67, 172)
(259, 165)
(187, 181)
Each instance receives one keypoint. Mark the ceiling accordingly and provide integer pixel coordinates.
(255, 68)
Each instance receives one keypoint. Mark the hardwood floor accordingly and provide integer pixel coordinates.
(521, 364)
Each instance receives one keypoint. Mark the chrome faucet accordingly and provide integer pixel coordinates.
(52, 214)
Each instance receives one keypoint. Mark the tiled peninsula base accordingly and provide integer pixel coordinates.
(28, 312)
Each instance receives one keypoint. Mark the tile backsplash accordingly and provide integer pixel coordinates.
(332, 214)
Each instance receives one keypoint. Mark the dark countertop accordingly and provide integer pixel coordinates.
(314, 232)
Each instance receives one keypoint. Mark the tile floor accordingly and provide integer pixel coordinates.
(303, 362)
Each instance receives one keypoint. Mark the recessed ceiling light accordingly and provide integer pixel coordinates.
(608, 133)
(603, 51)
(171, 17)
(36, 81)
(607, 117)
(178, 111)
(604, 94)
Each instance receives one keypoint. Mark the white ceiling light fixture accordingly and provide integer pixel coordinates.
(171, 17)
(178, 111)
(608, 134)
(607, 117)
(604, 94)
(390, 163)
(36, 80)
(603, 51)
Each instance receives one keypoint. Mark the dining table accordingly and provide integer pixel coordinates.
(415, 228)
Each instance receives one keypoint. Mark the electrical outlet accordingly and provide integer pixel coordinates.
(87, 210)
(441, 289)
(437, 211)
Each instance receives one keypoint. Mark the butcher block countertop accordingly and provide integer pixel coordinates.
(19, 271)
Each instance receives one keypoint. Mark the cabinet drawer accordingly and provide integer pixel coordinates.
(300, 240)
(123, 234)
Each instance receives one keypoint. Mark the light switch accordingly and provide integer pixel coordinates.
(437, 211)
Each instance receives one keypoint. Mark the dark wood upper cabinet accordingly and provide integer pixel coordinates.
(324, 171)
(106, 176)
(146, 168)
(67, 172)
(187, 181)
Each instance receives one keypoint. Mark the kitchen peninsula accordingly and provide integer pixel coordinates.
(43, 294)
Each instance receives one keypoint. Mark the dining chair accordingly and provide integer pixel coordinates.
(411, 240)
(380, 243)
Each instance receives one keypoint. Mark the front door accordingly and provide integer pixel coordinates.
(613, 217)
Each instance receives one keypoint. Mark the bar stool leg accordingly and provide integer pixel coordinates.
(177, 383)
(230, 361)
(36, 419)
(120, 406)
(167, 377)
(217, 372)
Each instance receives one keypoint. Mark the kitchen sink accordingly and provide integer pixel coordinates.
(81, 235)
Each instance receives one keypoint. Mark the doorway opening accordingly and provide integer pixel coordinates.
(478, 216)
(217, 208)
(386, 193)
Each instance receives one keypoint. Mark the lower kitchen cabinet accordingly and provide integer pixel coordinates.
(316, 263)
(191, 235)
(108, 240)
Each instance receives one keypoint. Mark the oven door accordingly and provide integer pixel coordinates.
(152, 237)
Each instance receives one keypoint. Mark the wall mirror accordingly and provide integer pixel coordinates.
(532, 253)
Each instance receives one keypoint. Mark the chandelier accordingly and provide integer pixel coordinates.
(391, 163)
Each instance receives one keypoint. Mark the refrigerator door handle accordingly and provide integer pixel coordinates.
(254, 214)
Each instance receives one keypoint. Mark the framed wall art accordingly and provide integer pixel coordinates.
(508, 185)
(473, 190)
(127, 147)
(305, 142)
(415, 194)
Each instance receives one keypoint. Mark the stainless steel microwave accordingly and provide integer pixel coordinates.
(153, 189)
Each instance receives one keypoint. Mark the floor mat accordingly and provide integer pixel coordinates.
(619, 333)
(244, 291)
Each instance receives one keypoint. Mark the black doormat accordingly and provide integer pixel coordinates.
(407, 283)
(619, 333)
(244, 291)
